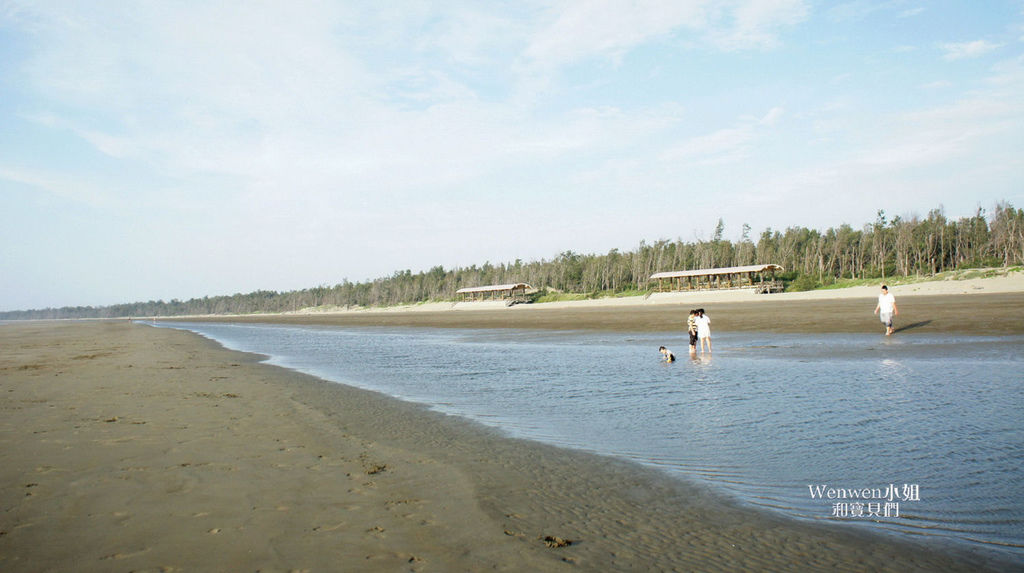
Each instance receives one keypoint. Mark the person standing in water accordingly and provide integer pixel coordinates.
(886, 309)
(703, 330)
(691, 329)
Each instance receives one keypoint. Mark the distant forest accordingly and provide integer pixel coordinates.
(885, 248)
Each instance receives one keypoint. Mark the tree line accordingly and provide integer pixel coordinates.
(887, 247)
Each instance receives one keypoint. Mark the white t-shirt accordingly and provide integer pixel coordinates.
(703, 326)
(886, 303)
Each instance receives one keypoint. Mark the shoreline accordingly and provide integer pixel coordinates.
(132, 442)
(976, 314)
(983, 306)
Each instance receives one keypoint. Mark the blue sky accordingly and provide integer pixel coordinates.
(159, 150)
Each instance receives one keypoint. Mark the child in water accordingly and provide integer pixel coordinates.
(666, 354)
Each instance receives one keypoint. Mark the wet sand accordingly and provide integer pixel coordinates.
(995, 314)
(125, 447)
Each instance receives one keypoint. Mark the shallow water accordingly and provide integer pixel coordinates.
(912, 435)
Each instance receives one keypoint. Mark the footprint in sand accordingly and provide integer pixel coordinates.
(118, 556)
(336, 527)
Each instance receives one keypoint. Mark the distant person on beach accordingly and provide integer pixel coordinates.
(691, 329)
(666, 355)
(703, 330)
(886, 309)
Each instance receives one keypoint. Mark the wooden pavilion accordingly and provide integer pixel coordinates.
(514, 292)
(750, 276)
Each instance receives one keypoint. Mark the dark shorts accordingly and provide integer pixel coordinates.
(693, 339)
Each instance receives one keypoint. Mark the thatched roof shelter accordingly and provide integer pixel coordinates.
(721, 278)
(495, 292)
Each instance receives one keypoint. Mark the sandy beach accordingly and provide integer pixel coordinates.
(126, 447)
(354, 286)
(976, 306)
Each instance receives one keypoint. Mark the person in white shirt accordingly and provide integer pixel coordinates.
(886, 309)
(703, 330)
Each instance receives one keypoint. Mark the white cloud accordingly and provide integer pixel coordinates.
(967, 50)
(853, 11)
(606, 28)
(915, 160)
(280, 100)
(720, 147)
(723, 146)
(937, 85)
(756, 24)
(66, 187)
(285, 88)
(772, 117)
(911, 12)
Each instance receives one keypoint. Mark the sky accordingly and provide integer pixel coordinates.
(159, 150)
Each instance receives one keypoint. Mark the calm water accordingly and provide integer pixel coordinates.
(763, 420)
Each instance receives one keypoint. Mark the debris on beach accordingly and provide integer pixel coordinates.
(555, 542)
